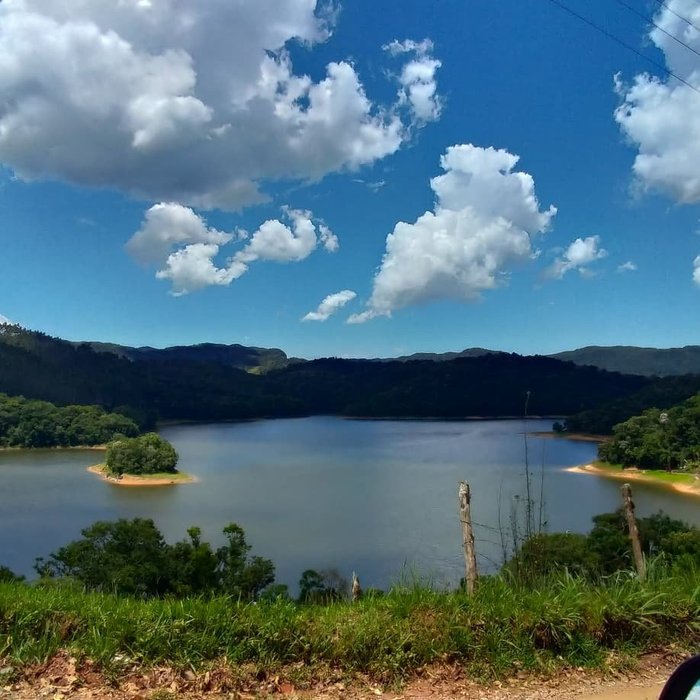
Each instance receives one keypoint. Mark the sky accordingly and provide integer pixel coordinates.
(352, 179)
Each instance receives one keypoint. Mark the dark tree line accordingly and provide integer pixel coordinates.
(26, 423)
(163, 385)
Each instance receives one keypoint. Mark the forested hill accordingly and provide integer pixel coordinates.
(178, 387)
(238, 356)
(648, 362)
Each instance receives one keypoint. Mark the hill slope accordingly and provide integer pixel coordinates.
(627, 359)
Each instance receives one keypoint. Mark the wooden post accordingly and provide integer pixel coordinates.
(465, 517)
(356, 589)
(634, 532)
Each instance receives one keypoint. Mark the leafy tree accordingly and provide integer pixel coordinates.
(146, 454)
(9, 576)
(321, 587)
(131, 557)
(240, 576)
(125, 556)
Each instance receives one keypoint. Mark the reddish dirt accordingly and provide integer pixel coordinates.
(63, 679)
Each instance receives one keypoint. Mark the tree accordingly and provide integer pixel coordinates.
(146, 454)
(9, 576)
(239, 576)
(125, 556)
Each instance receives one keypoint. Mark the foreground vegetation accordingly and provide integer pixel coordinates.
(122, 597)
(505, 627)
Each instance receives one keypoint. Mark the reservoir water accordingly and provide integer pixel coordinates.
(376, 497)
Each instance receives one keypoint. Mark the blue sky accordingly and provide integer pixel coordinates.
(174, 175)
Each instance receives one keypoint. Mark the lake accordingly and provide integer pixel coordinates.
(377, 497)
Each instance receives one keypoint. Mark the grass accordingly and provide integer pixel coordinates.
(503, 628)
(651, 474)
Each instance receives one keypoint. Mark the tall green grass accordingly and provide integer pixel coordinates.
(504, 626)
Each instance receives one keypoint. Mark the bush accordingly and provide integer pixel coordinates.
(131, 557)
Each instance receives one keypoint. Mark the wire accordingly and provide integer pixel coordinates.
(616, 39)
(648, 19)
(673, 12)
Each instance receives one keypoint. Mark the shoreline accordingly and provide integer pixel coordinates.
(638, 475)
(131, 480)
(579, 437)
(58, 448)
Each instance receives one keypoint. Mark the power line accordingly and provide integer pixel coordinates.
(661, 29)
(616, 39)
(673, 12)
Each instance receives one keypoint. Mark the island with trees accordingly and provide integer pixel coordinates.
(146, 460)
(660, 446)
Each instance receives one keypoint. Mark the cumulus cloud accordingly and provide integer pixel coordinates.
(696, 270)
(165, 227)
(191, 102)
(662, 117)
(330, 305)
(417, 78)
(185, 248)
(4, 320)
(578, 256)
(484, 217)
(628, 266)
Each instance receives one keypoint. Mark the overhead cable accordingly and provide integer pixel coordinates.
(649, 20)
(623, 43)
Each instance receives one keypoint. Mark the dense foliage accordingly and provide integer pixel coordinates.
(185, 385)
(606, 549)
(658, 439)
(661, 393)
(25, 423)
(131, 557)
(145, 454)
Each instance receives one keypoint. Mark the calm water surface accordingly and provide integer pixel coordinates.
(379, 497)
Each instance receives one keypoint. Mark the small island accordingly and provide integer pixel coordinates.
(147, 460)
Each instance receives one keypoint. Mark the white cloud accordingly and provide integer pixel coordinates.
(483, 219)
(4, 320)
(184, 247)
(628, 266)
(190, 102)
(330, 305)
(696, 270)
(581, 253)
(417, 79)
(662, 118)
(165, 227)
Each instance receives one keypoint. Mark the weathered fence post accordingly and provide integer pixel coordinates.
(356, 589)
(465, 517)
(634, 532)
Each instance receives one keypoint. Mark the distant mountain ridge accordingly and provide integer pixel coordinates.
(647, 362)
(248, 358)
(626, 359)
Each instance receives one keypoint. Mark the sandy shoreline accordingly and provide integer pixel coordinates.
(131, 480)
(639, 475)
